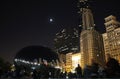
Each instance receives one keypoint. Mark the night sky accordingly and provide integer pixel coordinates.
(26, 23)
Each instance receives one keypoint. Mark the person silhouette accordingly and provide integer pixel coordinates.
(78, 71)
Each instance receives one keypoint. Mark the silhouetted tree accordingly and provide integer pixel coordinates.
(4, 67)
(112, 68)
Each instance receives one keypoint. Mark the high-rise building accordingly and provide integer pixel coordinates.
(91, 42)
(113, 34)
(67, 41)
(106, 44)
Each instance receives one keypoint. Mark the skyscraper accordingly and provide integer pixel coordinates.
(113, 36)
(91, 42)
(67, 41)
(106, 44)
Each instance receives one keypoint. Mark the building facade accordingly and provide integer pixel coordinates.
(91, 42)
(67, 41)
(72, 61)
(106, 44)
(68, 67)
(76, 59)
(113, 36)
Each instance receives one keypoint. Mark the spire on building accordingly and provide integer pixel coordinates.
(83, 4)
(86, 15)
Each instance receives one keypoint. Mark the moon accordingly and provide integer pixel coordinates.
(51, 20)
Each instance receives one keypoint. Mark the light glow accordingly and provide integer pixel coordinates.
(16, 60)
(51, 20)
(118, 42)
(76, 60)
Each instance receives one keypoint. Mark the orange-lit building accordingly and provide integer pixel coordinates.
(91, 41)
(72, 60)
(113, 37)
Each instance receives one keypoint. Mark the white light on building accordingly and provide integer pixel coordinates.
(76, 59)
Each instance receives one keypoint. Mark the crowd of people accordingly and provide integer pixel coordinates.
(110, 70)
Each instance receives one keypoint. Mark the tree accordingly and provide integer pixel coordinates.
(112, 68)
(4, 66)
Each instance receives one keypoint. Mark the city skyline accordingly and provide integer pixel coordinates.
(27, 23)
